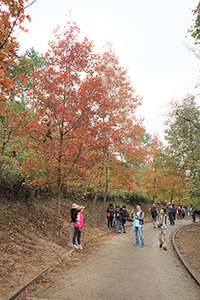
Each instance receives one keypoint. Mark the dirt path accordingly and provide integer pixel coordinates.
(114, 269)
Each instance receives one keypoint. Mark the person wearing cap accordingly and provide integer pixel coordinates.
(73, 220)
(78, 227)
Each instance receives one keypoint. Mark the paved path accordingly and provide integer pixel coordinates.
(117, 270)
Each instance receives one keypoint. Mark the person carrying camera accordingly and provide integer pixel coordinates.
(163, 226)
(139, 220)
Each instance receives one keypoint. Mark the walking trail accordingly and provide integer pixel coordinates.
(117, 270)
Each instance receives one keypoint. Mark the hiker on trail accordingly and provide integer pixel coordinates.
(139, 217)
(174, 211)
(163, 226)
(183, 213)
(193, 212)
(110, 214)
(116, 213)
(73, 220)
(78, 227)
(179, 215)
(123, 216)
(133, 218)
(170, 213)
(154, 213)
(188, 211)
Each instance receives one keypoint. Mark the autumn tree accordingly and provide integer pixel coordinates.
(12, 17)
(195, 28)
(183, 136)
(69, 104)
(120, 131)
(150, 172)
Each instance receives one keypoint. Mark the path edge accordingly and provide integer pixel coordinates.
(186, 264)
(30, 283)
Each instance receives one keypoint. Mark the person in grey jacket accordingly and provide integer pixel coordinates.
(139, 218)
(163, 226)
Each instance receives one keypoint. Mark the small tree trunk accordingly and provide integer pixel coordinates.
(95, 200)
(105, 197)
(57, 210)
(93, 208)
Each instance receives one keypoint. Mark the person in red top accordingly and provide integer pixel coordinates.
(175, 211)
(78, 227)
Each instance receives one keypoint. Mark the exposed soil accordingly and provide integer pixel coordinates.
(26, 249)
(188, 242)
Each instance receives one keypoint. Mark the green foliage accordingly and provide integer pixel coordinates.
(22, 71)
(9, 167)
(183, 136)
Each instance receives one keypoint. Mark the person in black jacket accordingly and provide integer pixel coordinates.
(116, 213)
(123, 216)
(110, 214)
(74, 212)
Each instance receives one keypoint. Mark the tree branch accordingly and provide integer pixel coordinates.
(188, 120)
(11, 30)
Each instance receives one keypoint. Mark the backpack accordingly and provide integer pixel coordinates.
(126, 215)
(153, 212)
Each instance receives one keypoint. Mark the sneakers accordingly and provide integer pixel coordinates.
(164, 248)
(136, 244)
(161, 245)
(125, 231)
(118, 231)
(142, 245)
(80, 247)
(70, 244)
(76, 246)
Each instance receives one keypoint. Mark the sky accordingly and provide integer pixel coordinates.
(148, 37)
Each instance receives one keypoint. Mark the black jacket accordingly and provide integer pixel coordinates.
(123, 215)
(73, 215)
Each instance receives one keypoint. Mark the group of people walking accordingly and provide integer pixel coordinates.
(121, 216)
(118, 217)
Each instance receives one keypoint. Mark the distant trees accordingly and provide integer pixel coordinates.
(183, 136)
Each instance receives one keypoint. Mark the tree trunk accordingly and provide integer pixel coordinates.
(105, 197)
(95, 200)
(93, 208)
(57, 209)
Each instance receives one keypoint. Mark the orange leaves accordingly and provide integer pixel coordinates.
(12, 15)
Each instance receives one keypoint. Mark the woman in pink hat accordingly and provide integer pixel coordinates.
(78, 227)
(73, 220)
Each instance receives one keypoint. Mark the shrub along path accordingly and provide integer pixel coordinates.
(115, 269)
